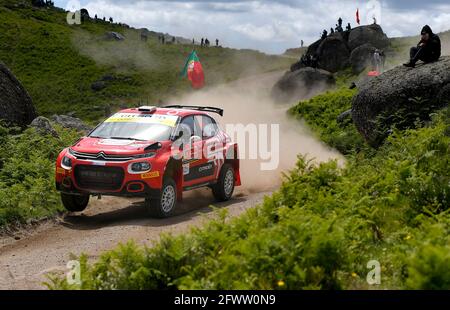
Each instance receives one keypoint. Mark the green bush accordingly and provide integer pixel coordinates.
(321, 113)
(27, 172)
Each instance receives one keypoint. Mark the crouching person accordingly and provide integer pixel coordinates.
(428, 49)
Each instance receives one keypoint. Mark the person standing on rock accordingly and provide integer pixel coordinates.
(428, 49)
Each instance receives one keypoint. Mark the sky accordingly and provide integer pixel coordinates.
(268, 26)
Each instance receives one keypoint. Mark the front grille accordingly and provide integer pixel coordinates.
(100, 156)
(99, 177)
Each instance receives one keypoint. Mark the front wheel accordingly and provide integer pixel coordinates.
(223, 189)
(164, 205)
(74, 203)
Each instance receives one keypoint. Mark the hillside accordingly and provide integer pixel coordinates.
(58, 63)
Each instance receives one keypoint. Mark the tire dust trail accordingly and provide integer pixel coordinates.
(106, 222)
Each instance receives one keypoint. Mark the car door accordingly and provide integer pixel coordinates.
(196, 169)
(212, 144)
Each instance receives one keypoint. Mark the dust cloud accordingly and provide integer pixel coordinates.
(247, 101)
(122, 55)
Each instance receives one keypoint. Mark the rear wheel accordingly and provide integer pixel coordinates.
(164, 205)
(224, 188)
(74, 203)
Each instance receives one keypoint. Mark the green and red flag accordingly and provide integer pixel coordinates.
(193, 69)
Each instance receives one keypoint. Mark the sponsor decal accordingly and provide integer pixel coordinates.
(168, 120)
(198, 172)
(115, 142)
(204, 168)
(185, 169)
(150, 175)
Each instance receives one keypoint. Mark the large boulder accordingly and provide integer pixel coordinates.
(372, 34)
(70, 122)
(312, 49)
(114, 36)
(16, 106)
(333, 54)
(302, 84)
(361, 57)
(43, 126)
(399, 97)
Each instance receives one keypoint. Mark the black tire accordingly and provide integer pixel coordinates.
(223, 190)
(163, 206)
(75, 203)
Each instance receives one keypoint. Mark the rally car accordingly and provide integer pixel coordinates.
(150, 152)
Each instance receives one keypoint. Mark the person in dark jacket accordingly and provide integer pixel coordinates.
(428, 49)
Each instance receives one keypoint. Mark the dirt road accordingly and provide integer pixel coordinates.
(106, 222)
(24, 262)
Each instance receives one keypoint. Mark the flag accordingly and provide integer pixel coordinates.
(357, 17)
(193, 69)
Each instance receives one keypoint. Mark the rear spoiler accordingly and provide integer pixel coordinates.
(192, 107)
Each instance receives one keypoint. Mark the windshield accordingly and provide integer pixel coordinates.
(143, 127)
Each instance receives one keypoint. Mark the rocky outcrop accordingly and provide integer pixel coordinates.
(361, 57)
(98, 85)
(114, 36)
(16, 106)
(302, 84)
(341, 49)
(333, 54)
(399, 97)
(43, 126)
(371, 34)
(70, 122)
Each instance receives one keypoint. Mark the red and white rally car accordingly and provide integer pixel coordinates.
(149, 152)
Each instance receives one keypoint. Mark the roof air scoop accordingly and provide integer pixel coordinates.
(148, 109)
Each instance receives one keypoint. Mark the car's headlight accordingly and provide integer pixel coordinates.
(66, 163)
(139, 167)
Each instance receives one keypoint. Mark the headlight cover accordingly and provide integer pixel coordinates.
(66, 163)
(139, 167)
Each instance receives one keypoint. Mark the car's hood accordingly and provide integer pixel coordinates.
(111, 146)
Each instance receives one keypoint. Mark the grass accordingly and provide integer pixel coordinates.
(321, 113)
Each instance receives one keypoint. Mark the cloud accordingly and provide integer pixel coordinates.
(270, 26)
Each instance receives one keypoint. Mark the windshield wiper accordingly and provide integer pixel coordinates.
(125, 138)
(97, 137)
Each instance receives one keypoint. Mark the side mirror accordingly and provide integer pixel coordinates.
(178, 136)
